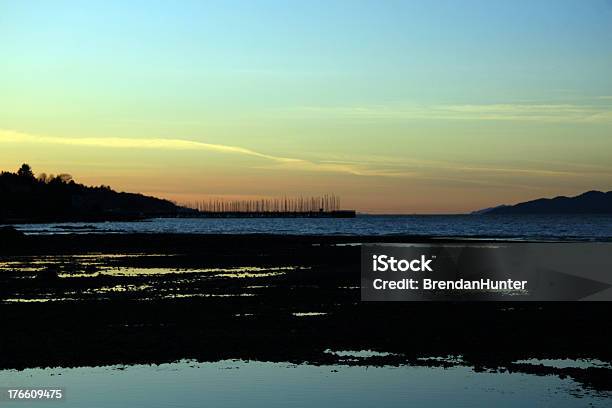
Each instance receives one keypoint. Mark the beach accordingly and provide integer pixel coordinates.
(75, 300)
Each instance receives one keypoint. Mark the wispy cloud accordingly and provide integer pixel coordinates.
(362, 166)
(136, 143)
(353, 168)
(276, 162)
(564, 113)
(417, 165)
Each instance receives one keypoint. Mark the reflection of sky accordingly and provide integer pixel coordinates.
(239, 384)
(534, 226)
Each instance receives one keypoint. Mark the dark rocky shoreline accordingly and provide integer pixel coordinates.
(261, 297)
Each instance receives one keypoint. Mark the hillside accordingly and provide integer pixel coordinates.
(591, 202)
(26, 198)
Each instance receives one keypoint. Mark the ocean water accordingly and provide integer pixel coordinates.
(555, 227)
(262, 384)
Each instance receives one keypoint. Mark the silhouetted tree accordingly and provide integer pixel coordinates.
(64, 178)
(25, 171)
(24, 197)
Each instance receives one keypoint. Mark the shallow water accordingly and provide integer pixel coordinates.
(263, 384)
(100, 276)
(581, 227)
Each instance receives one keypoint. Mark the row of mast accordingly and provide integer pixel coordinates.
(325, 203)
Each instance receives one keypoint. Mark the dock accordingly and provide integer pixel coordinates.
(326, 206)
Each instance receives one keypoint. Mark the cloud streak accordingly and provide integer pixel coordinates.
(552, 113)
(371, 166)
(275, 162)
(135, 143)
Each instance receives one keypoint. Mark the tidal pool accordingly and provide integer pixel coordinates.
(242, 384)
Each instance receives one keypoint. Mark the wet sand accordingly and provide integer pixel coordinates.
(103, 299)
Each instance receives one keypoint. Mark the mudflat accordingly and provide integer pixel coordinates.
(101, 299)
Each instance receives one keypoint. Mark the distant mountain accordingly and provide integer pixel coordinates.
(591, 202)
(26, 198)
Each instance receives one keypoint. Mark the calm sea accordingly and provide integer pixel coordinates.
(567, 227)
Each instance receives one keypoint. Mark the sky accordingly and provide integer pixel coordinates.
(395, 106)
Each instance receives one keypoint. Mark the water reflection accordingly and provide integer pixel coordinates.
(568, 227)
(106, 276)
(242, 384)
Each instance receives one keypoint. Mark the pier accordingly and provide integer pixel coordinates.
(326, 206)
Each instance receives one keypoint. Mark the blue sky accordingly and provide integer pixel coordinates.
(492, 100)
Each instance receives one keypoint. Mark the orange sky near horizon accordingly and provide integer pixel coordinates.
(396, 107)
